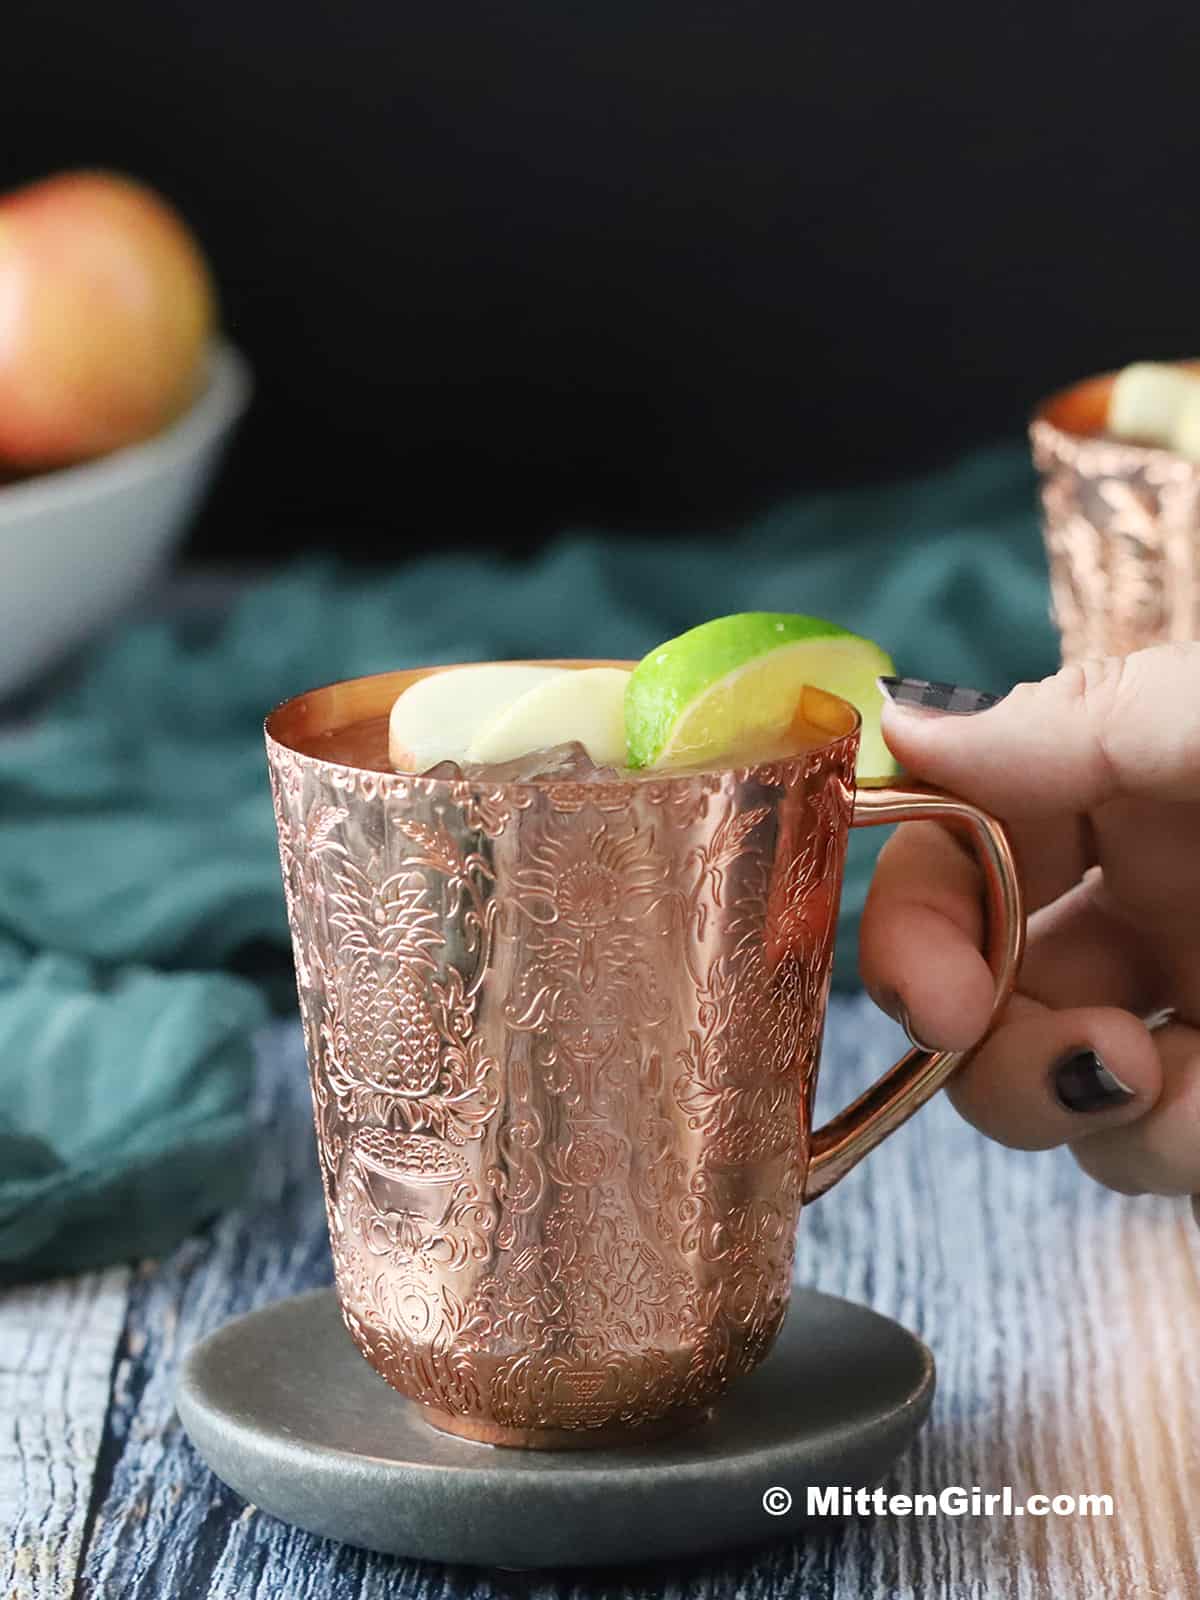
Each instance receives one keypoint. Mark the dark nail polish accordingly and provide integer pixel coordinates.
(1083, 1083)
(944, 699)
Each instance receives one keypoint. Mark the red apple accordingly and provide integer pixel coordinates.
(105, 306)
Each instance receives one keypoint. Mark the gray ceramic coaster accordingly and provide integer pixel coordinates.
(284, 1409)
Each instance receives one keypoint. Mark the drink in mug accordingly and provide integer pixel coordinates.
(563, 1026)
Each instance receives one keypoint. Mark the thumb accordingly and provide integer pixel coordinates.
(1096, 729)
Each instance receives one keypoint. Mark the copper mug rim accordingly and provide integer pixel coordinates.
(347, 700)
(1079, 410)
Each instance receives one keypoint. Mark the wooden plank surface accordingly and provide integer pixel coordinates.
(1062, 1319)
(56, 1357)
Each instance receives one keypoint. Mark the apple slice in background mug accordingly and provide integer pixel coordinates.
(1157, 403)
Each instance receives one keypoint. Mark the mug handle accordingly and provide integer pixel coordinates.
(905, 1087)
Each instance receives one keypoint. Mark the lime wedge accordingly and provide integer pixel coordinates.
(734, 685)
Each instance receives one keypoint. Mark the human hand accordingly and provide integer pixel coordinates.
(1096, 771)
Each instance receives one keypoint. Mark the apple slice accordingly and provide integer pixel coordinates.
(1146, 399)
(436, 718)
(587, 705)
(1185, 428)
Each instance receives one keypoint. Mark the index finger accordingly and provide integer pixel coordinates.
(1094, 730)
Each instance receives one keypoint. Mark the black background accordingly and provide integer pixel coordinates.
(501, 267)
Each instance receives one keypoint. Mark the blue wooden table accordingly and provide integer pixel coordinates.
(1062, 1318)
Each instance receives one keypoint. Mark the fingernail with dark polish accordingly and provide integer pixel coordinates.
(920, 697)
(1083, 1083)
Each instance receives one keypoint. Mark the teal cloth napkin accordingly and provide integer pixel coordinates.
(136, 835)
(123, 1119)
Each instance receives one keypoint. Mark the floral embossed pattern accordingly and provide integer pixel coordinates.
(562, 1044)
(1122, 524)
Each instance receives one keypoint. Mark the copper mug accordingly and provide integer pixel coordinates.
(1122, 529)
(563, 1044)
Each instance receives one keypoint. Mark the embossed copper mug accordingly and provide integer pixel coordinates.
(1122, 528)
(563, 1044)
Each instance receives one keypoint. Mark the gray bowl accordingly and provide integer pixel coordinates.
(78, 544)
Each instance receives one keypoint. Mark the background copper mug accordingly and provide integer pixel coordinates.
(1122, 529)
(563, 1043)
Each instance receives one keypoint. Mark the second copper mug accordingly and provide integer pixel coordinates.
(563, 1043)
(1122, 527)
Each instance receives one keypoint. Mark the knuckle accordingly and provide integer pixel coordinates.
(1091, 685)
(1024, 698)
(1096, 691)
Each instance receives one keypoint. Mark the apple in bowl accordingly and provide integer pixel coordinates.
(117, 398)
(106, 307)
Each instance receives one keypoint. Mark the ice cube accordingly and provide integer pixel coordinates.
(560, 763)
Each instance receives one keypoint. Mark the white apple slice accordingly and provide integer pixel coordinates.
(1146, 398)
(436, 718)
(1185, 430)
(587, 704)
